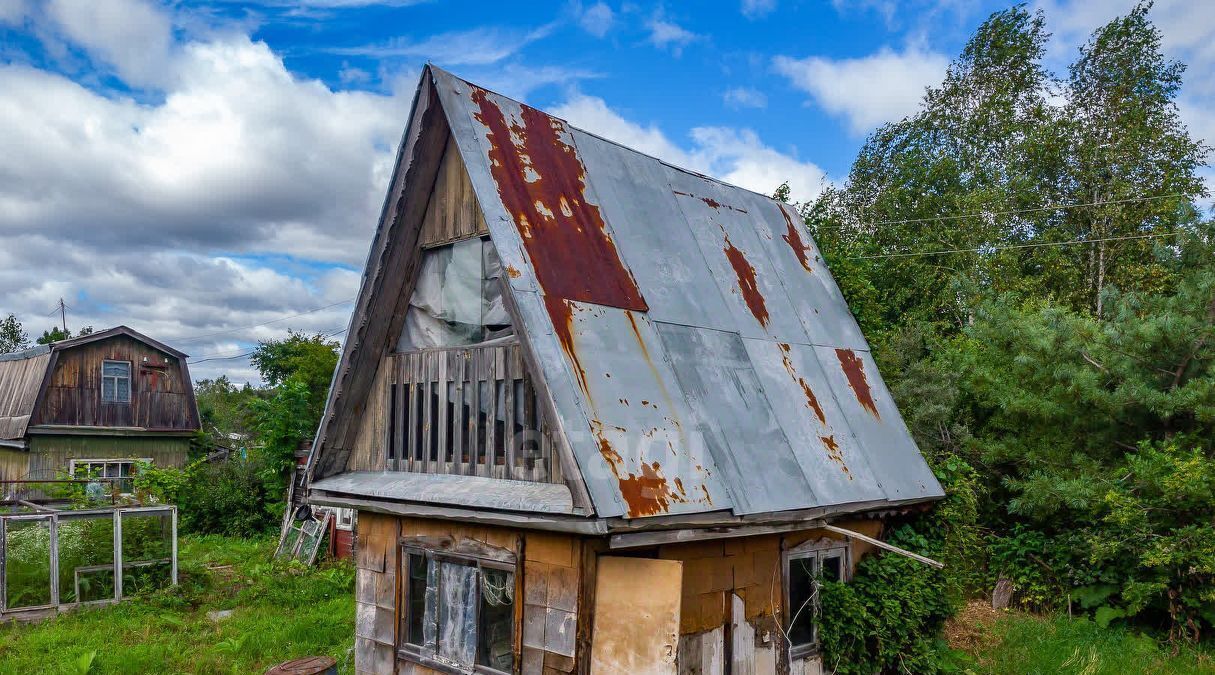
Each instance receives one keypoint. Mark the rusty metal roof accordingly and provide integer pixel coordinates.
(699, 353)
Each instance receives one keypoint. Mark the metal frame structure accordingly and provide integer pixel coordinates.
(52, 519)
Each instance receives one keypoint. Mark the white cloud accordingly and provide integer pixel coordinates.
(745, 97)
(12, 12)
(132, 36)
(666, 34)
(477, 46)
(597, 19)
(866, 91)
(754, 9)
(736, 156)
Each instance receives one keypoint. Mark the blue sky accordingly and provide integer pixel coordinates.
(198, 169)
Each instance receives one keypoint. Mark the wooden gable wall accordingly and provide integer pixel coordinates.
(162, 397)
(452, 213)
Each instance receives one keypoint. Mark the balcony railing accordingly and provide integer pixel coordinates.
(470, 411)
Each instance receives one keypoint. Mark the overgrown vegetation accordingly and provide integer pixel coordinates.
(261, 429)
(279, 611)
(1055, 364)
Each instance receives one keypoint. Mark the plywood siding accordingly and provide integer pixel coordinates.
(738, 582)
(161, 394)
(452, 213)
(550, 615)
(50, 455)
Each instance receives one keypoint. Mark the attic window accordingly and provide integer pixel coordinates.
(457, 299)
(115, 382)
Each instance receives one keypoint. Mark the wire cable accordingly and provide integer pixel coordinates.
(988, 214)
(985, 249)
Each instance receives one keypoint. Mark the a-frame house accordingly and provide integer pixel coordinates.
(597, 413)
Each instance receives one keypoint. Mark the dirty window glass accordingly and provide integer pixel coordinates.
(456, 299)
(497, 618)
(806, 571)
(459, 612)
(115, 382)
(801, 600)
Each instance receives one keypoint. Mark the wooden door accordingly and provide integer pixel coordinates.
(636, 616)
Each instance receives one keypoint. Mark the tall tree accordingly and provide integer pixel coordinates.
(309, 359)
(1127, 142)
(12, 336)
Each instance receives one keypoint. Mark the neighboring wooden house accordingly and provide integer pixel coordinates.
(597, 413)
(94, 406)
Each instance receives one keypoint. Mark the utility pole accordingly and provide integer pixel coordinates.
(63, 314)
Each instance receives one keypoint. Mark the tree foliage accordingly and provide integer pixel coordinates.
(13, 337)
(1055, 365)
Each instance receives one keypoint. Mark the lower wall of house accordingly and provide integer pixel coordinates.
(551, 624)
(14, 464)
(733, 589)
(50, 455)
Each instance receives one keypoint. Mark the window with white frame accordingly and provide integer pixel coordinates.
(115, 381)
(122, 470)
(458, 611)
(344, 518)
(806, 567)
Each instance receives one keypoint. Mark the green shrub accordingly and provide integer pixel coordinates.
(229, 498)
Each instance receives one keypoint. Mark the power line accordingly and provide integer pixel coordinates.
(1011, 246)
(986, 214)
(314, 310)
(229, 357)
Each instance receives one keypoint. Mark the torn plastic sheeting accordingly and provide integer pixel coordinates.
(457, 300)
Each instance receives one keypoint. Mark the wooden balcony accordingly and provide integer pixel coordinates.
(469, 412)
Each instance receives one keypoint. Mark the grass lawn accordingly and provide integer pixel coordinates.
(282, 611)
(1008, 643)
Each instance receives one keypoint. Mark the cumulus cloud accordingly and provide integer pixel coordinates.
(597, 19)
(736, 156)
(745, 97)
(131, 36)
(666, 34)
(866, 91)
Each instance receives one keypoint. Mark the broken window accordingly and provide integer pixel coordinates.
(457, 298)
(804, 572)
(458, 611)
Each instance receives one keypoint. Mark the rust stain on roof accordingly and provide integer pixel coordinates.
(794, 239)
(542, 182)
(833, 451)
(512, 272)
(746, 282)
(646, 493)
(710, 202)
(811, 399)
(854, 370)
(561, 312)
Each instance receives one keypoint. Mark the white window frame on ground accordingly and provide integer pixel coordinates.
(432, 655)
(810, 610)
(82, 462)
(115, 378)
(344, 518)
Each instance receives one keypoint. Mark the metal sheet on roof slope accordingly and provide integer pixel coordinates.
(639, 418)
(877, 425)
(726, 236)
(731, 410)
(652, 234)
(817, 429)
(799, 267)
(726, 400)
